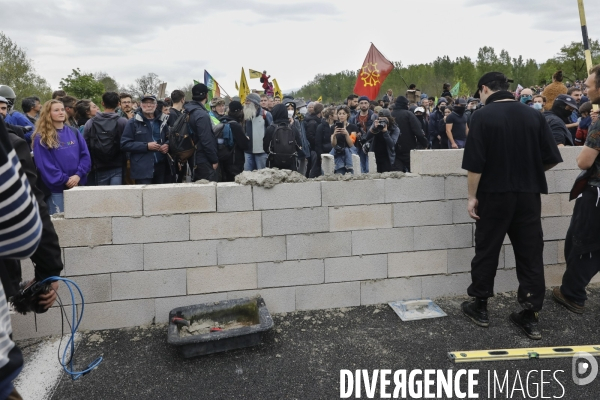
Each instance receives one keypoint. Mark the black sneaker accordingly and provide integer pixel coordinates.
(476, 311)
(528, 322)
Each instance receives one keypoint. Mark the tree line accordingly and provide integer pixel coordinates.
(430, 77)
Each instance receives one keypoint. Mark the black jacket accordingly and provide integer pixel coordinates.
(173, 115)
(46, 259)
(119, 159)
(559, 129)
(410, 131)
(241, 143)
(205, 140)
(323, 138)
(311, 122)
(280, 117)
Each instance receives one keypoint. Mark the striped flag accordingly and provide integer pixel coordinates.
(212, 85)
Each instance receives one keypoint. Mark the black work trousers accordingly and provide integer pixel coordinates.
(519, 216)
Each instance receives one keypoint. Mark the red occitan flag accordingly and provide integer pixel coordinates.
(372, 74)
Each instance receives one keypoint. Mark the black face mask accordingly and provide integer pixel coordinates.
(442, 108)
(559, 109)
(459, 110)
(420, 117)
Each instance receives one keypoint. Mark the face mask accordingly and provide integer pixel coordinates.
(537, 106)
(420, 117)
(459, 110)
(303, 110)
(442, 108)
(525, 99)
(290, 113)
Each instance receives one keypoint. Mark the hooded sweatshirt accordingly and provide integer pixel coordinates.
(117, 161)
(71, 157)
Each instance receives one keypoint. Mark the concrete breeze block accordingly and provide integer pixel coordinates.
(372, 162)
(38, 325)
(169, 228)
(173, 255)
(287, 195)
(368, 216)
(225, 225)
(459, 260)
(319, 245)
(551, 205)
(328, 164)
(417, 263)
(555, 228)
(83, 232)
(221, 278)
(277, 300)
(569, 155)
(103, 259)
(118, 314)
(561, 251)
(386, 290)
(103, 201)
(460, 215)
(426, 213)
(550, 254)
(551, 181)
(443, 237)
(95, 288)
(349, 193)
(356, 164)
(356, 268)
(250, 250)
(295, 220)
(332, 295)
(445, 285)
(382, 241)
(456, 187)
(437, 162)
(148, 284)
(164, 305)
(234, 197)
(179, 198)
(291, 273)
(565, 179)
(410, 189)
(566, 206)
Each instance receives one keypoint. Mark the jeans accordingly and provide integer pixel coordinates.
(56, 203)
(255, 161)
(109, 177)
(459, 143)
(364, 161)
(343, 162)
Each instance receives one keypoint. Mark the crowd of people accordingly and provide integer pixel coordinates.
(127, 140)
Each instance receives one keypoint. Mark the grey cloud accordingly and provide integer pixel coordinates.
(548, 15)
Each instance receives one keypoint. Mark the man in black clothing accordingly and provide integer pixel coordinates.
(558, 118)
(311, 122)
(508, 149)
(178, 100)
(411, 132)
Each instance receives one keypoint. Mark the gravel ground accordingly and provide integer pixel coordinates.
(302, 356)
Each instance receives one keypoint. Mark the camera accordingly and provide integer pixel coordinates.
(379, 125)
(28, 297)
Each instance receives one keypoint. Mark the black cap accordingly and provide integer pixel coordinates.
(568, 100)
(235, 106)
(199, 89)
(491, 77)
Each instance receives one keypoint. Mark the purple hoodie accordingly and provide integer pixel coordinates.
(56, 166)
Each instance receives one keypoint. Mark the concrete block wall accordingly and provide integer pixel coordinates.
(139, 251)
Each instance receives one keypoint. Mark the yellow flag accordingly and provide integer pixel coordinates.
(254, 74)
(244, 89)
(277, 91)
(236, 86)
(320, 99)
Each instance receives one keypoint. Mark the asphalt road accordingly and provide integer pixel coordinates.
(302, 356)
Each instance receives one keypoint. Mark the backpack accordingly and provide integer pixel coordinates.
(181, 143)
(225, 142)
(282, 149)
(104, 139)
(262, 80)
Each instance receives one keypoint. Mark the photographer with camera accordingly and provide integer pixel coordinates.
(381, 140)
(363, 119)
(342, 140)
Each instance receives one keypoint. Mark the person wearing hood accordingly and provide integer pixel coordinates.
(311, 122)
(281, 117)
(300, 110)
(383, 136)
(411, 132)
(256, 121)
(435, 117)
(456, 126)
(107, 170)
(231, 158)
(558, 117)
(206, 158)
(421, 115)
(145, 137)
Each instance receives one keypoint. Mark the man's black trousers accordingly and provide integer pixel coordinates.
(519, 216)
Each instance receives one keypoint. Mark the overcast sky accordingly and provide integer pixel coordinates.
(293, 41)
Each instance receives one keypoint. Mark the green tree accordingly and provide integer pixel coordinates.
(16, 71)
(571, 60)
(109, 83)
(82, 86)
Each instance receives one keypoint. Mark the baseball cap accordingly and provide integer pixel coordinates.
(568, 100)
(419, 109)
(491, 77)
(148, 96)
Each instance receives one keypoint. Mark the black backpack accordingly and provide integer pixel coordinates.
(282, 149)
(104, 139)
(181, 143)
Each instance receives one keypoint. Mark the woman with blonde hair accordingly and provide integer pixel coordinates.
(60, 153)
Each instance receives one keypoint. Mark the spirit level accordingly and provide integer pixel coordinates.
(521, 354)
